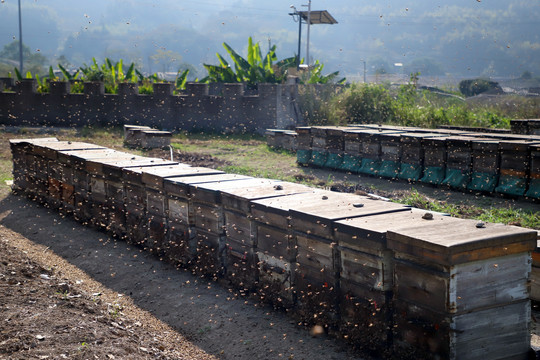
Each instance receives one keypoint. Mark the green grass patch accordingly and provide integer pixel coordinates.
(510, 215)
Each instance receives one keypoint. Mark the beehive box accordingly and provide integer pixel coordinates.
(367, 274)
(533, 190)
(335, 144)
(155, 139)
(435, 153)
(289, 141)
(76, 161)
(370, 150)
(412, 155)
(317, 262)
(133, 134)
(514, 167)
(276, 249)
(154, 211)
(453, 284)
(241, 236)
(458, 162)
(204, 218)
(485, 165)
(351, 150)
(391, 155)
(23, 164)
(60, 189)
(535, 273)
(107, 188)
(319, 148)
(303, 141)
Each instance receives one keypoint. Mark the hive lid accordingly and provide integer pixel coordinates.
(452, 243)
(266, 190)
(335, 206)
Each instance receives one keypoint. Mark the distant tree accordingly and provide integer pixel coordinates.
(473, 87)
(33, 62)
(526, 75)
(168, 60)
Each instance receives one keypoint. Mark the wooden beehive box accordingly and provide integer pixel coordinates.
(391, 155)
(276, 248)
(458, 161)
(533, 190)
(366, 269)
(514, 168)
(435, 154)
(163, 207)
(304, 138)
(241, 236)
(453, 282)
(290, 140)
(155, 139)
(204, 217)
(317, 262)
(23, 164)
(485, 165)
(133, 134)
(59, 176)
(370, 149)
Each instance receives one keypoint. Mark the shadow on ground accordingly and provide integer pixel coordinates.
(211, 316)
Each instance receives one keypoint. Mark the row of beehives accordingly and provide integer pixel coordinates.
(482, 162)
(373, 271)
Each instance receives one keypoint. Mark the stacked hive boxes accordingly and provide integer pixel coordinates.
(377, 272)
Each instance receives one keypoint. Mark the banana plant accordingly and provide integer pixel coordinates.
(67, 75)
(181, 79)
(255, 69)
(316, 76)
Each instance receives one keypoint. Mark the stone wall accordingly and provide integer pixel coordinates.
(231, 110)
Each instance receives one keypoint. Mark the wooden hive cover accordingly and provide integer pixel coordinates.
(114, 166)
(78, 158)
(370, 231)
(451, 243)
(135, 175)
(183, 185)
(239, 198)
(338, 206)
(211, 191)
(50, 149)
(17, 142)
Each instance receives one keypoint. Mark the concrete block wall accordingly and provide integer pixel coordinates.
(195, 109)
(389, 278)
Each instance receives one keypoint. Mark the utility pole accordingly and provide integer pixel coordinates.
(20, 40)
(364, 61)
(308, 25)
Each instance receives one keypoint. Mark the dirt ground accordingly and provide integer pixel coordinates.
(59, 301)
(72, 292)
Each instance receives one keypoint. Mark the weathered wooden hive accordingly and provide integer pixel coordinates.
(242, 262)
(319, 147)
(412, 155)
(434, 159)
(533, 190)
(317, 265)
(485, 165)
(514, 167)
(391, 150)
(303, 143)
(181, 237)
(370, 149)
(351, 150)
(461, 288)
(458, 162)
